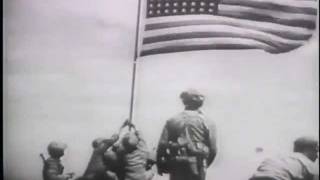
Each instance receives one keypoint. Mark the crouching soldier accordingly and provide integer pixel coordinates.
(53, 169)
(295, 166)
(187, 145)
(97, 169)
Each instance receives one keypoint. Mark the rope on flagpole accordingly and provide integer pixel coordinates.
(134, 69)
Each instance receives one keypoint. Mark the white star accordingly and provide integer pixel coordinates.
(202, 3)
(210, 10)
(158, 11)
(150, 12)
(201, 9)
(158, 5)
(184, 4)
(166, 11)
(192, 10)
(175, 4)
(167, 4)
(211, 4)
(174, 11)
(193, 3)
(183, 10)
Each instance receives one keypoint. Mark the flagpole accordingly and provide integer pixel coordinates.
(135, 62)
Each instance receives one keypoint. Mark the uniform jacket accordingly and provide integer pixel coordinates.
(135, 163)
(96, 167)
(293, 167)
(195, 124)
(53, 170)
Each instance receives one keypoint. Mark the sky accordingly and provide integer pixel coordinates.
(67, 77)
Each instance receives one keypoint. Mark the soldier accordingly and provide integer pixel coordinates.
(104, 162)
(187, 145)
(296, 166)
(53, 169)
(133, 152)
(97, 169)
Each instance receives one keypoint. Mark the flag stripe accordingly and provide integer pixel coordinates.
(188, 20)
(267, 12)
(259, 15)
(206, 44)
(219, 31)
(270, 40)
(279, 30)
(289, 20)
(201, 17)
(302, 7)
(215, 30)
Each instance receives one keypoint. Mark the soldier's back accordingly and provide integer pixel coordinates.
(194, 121)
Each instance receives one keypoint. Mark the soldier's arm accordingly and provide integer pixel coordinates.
(164, 138)
(107, 143)
(212, 143)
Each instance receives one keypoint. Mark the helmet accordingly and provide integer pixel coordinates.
(56, 149)
(97, 141)
(192, 98)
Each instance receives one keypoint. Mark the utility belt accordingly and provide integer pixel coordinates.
(192, 156)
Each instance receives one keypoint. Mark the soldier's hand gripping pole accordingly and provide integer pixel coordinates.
(127, 123)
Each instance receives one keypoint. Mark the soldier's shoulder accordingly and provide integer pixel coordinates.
(176, 117)
(209, 121)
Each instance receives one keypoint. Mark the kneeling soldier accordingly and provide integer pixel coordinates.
(298, 165)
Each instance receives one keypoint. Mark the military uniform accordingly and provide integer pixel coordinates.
(97, 169)
(53, 169)
(295, 166)
(135, 161)
(188, 163)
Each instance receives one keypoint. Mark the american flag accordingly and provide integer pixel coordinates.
(275, 26)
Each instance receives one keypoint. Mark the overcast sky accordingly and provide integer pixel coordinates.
(67, 72)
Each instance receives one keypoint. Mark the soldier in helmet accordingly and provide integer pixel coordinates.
(53, 169)
(104, 163)
(97, 168)
(187, 145)
(295, 166)
(133, 154)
